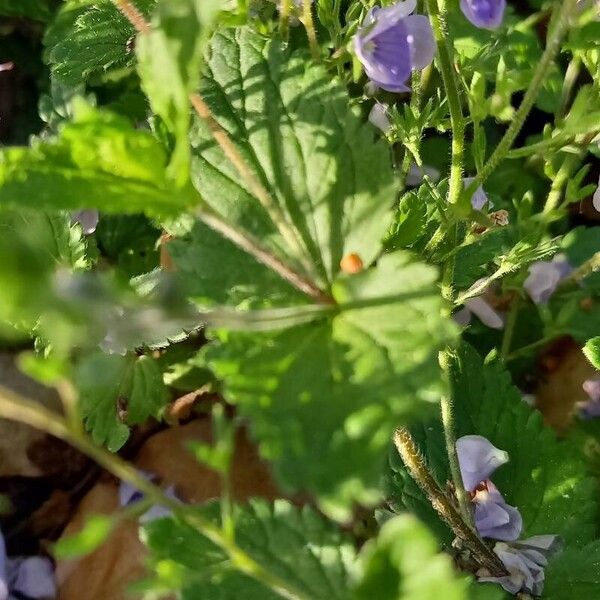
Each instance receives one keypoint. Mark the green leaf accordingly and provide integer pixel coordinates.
(90, 40)
(99, 160)
(323, 398)
(546, 479)
(291, 122)
(95, 531)
(409, 223)
(116, 391)
(592, 351)
(215, 271)
(297, 545)
(574, 574)
(169, 59)
(403, 563)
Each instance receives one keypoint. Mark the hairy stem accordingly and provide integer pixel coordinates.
(437, 16)
(17, 408)
(418, 470)
(309, 25)
(560, 25)
(133, 15)
(560, 180)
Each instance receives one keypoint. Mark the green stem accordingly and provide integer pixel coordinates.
(309, 25)
(560, 26)
(18, 408)
(437, 16)
(562, 177)
(531, 347)
(284, 19)
(571, 77)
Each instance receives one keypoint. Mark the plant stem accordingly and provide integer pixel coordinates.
(309, 25)
(418, 470)
(17, 408)
(437, 16)
(571, 77)
(133, 15)
(284, 19)
(561, 24)
(448, 363)
(591, 265)
(252, 246)
(562, 177)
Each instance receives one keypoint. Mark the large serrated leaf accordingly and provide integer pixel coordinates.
(115, 391)
(99, 160)
(323, 398)
(316, 157)
(297, 545)
(90, 39)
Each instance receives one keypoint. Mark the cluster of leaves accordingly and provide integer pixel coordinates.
(241, 218)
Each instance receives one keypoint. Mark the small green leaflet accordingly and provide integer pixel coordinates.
(323, 398)
(403, 563)
(574, 574)
(169, 59)
(297, 545)
(90, 39)
(592, 351)
(291, 122)
(116, 391)
(99, 160)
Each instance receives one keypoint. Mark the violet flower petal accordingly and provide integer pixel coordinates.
(420, 41)
(32, 577)
(590, 409)
(88, 219)
(485, 14)
(544, 277)
(525, 561)
(378, 117)
(390, 45)
(485, 313)
(596, 197)
(478, 458)
(479, 198)
(129, 494)
(3, 574)
(494, 518)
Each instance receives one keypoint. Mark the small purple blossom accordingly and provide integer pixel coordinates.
(378, 117)
(416, 175)
(129, 494)
(485, 14)
(392, 42)
(544, 277)
(494, 518)
(482, 310)
(479, 199)
(596, 197)
(478, 458)
(88, 219)
(525, 562)
(590, 409)
(25, 577)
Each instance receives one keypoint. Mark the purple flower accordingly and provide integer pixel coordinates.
(479, 199)
(416, 175)
(596, 197)
(525, 562)
(378, 117)
(485, 14)
(493, 517)
(392, 42)
(88, 219)
(590, 409)
(478, 458)
(544, 277)
(129, 494)
(25, 577)
(482, 310)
